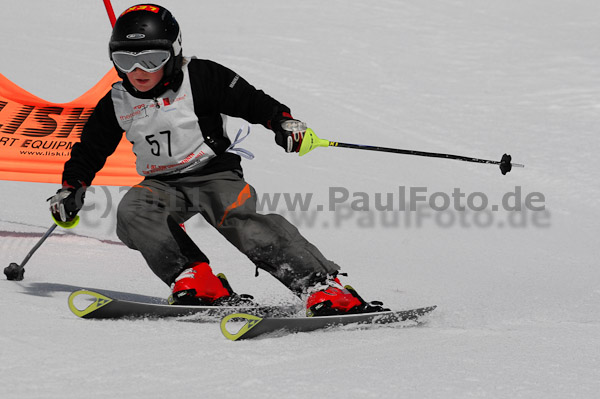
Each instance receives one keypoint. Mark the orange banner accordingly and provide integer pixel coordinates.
(36, 136)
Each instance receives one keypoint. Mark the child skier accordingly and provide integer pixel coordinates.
(173, 109)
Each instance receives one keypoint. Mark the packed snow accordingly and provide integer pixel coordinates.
(518, 292)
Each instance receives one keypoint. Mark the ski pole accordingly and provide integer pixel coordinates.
(311, 141)
(15, 271)
(110, 12)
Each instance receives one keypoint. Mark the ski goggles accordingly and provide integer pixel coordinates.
(147, 60)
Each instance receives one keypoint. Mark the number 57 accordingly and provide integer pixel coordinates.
(155, 144)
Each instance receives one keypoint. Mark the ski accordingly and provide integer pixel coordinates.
(255, 326)
(102, 306)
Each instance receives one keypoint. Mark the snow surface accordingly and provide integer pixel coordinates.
(518, 296)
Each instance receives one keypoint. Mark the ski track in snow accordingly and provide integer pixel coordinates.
(519, 303)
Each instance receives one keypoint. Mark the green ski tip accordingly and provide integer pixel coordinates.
(250, 321)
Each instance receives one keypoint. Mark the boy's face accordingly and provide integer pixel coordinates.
(144, 81)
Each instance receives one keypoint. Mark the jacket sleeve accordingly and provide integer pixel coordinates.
(99, 139)
(232, 95)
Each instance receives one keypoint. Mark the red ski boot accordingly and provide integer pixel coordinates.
(197, 285)
(334, 299)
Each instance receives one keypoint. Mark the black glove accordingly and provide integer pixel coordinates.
(289, 134)
(65, 204)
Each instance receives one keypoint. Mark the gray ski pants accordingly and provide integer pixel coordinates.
(150, 213)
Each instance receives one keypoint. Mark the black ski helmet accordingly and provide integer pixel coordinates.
(148, 27)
